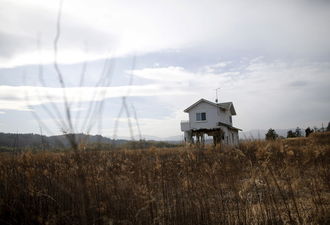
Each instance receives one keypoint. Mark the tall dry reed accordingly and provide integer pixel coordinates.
(280, 182)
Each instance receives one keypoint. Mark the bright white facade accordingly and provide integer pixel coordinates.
(213, 119)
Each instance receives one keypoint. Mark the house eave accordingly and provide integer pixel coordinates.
(229, 126)
(203, 100)
(228, 106)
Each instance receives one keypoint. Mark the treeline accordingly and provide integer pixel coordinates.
(272, 135)
(18, 142)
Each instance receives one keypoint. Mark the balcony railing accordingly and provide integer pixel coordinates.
(185, 125)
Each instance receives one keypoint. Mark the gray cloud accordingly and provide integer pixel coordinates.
(11, 44)
(278, 28)
(214, 43)
(20, 34)
(298, 83)
(266, 93)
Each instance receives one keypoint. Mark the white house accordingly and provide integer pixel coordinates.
(213, 119)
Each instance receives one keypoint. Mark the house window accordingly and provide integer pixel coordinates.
(230, 119)
(201, 116)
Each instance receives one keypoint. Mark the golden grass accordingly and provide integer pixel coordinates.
(279, 182)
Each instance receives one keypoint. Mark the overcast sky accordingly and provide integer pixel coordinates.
(270, 58)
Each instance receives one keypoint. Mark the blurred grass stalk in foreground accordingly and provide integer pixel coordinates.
(260, 182)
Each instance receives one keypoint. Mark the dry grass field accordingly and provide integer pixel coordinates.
(280, 182)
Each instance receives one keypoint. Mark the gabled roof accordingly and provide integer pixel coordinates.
(228, 106)
(225, 105)
(198, 102)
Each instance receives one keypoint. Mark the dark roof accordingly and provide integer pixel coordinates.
(229, 126)
(224, 105)
(228, 106)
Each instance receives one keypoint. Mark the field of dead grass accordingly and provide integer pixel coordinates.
(280, 182)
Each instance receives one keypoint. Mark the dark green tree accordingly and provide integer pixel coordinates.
(271, 134)
(308, 131)
(328, 127)
(291, 134)
(298, 132)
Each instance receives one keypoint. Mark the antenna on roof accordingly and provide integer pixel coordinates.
(216, 95)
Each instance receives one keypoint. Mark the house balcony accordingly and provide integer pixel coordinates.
(185, 125)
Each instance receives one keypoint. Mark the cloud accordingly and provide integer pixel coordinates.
(178, 75)
(165, 74)
(37, 23)
(216, 67)
(279, 28)
(266, 93)
(298, 83)
(161, 127)
(254, 75)
(22, 97)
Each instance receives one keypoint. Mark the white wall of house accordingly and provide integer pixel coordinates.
(213, 116)
(230, 136)
(234, 135)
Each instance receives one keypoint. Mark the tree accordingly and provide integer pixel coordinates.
(322, 129)
(328, 128)
(298, 132)
(271, 134)
(291, 134)
(308, 131)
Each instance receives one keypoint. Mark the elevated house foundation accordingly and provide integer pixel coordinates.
(212, 119)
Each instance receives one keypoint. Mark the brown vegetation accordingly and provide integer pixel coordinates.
(275, 182)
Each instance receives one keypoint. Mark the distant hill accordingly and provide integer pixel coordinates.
(10, 140)
(174, 138)
(18, 141)
(59, 141)
(177, 138)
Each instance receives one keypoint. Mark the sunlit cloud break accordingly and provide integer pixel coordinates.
(280, 27)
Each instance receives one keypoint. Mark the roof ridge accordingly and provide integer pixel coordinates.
(223, 105)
